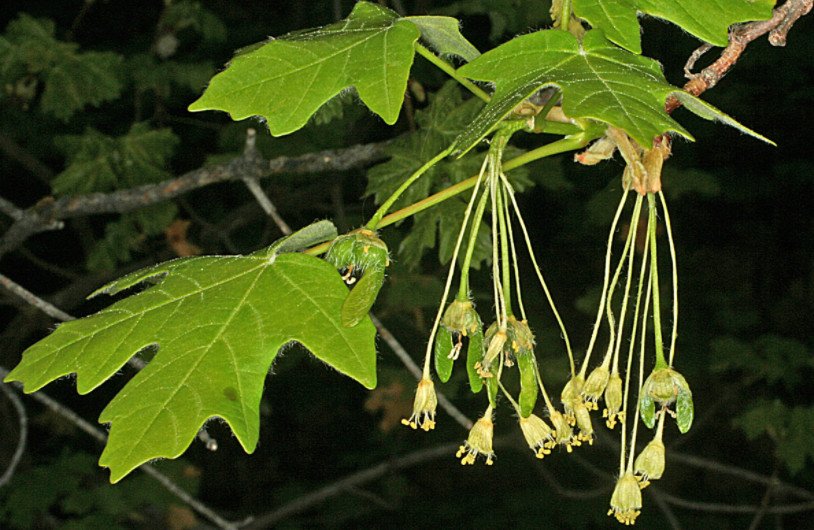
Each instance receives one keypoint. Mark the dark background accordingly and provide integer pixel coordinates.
(741, 217)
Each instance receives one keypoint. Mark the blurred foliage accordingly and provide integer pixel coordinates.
(99, 86)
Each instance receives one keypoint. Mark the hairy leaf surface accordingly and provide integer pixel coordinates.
(598, 80)
(218, 323)
(286, 80)
(709, 20)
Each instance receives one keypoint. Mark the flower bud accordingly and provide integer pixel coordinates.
(355, 252)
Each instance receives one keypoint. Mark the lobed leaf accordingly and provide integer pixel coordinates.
(598, 80)
(286, 80)
(218, 323)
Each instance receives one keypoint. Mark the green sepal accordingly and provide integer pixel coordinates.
(684, 411)
(361, 298)
(528, 383)
(443, 346)
(474, 355)
(647, 410)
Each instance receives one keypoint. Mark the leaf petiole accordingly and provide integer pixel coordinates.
(452, 72)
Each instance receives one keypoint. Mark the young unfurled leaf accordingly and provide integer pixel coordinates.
(709, 21)
(684, 411)
(528, 383)
(361, 298)
(444, 343)
(474, 355)
(287, 79)
(590, 74)
(444, 35)
(218, 323)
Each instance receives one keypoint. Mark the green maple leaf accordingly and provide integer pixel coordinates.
(709, 20)
(598, 80)
(286, 80)
(218, 323)
(97, 162)
(72, 79)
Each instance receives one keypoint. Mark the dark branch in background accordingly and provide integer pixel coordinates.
(22, 436)
(101, 437)
(48, 213)
(783, 18)
(19, 154)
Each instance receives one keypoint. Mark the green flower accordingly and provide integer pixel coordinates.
(665, 386)
(649, 465)
(613, 401)
(356, 252)
(626, 501)
(594, 386)
(479, 441)
(538, 435)
(424, 406)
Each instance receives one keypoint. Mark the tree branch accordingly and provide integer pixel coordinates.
(783, 18)
(101, 437)
(351, 481)
(47, 214)
(22, 436)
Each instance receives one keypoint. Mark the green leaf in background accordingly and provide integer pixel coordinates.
(788, 427)
(505, 16)
(286, 80)
(707, 20)
(218, 323)
(71, 79)
(444, 35)
(598, 80)
(97, 162)
(127, 234)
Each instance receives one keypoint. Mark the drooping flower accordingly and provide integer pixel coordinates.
(479, 441)
(571, 398)
(424, 406)
(538, 435)
(583, 419)
(613, 401)
(594, 386)
(626, 501)
(564, 434)
(663, 387)
(649, 465)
